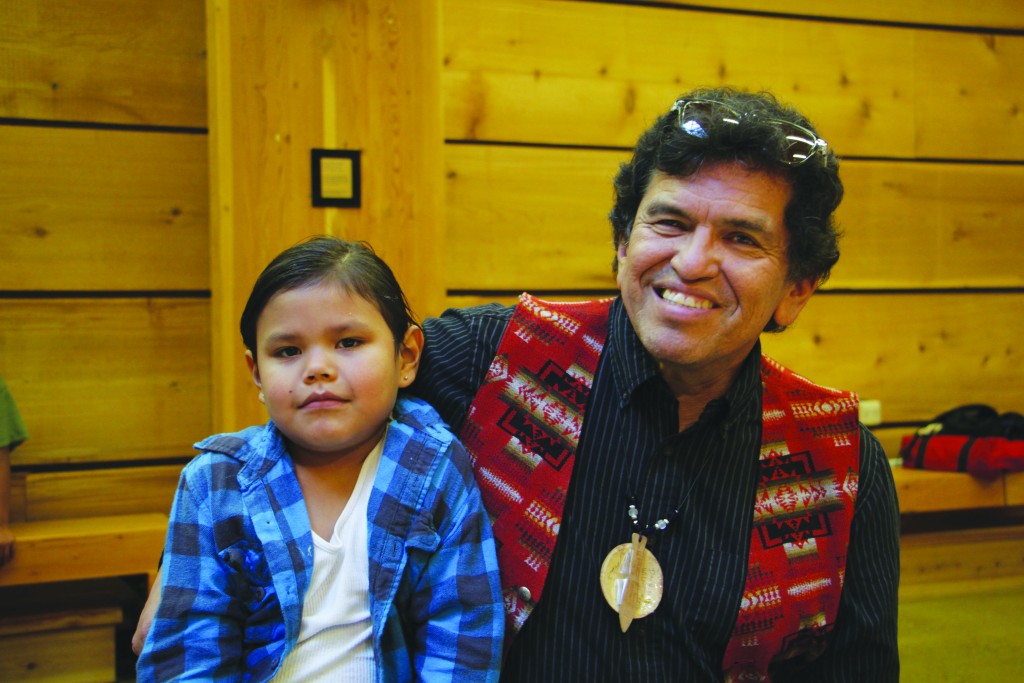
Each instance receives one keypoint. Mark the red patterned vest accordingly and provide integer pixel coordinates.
(522, 430)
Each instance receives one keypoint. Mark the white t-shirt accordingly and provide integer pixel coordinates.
(336, 635)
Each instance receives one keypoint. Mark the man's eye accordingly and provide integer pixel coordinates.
(286, 352)
(745, 239)
(349, 342)
(667, 227)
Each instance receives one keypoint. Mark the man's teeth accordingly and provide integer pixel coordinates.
(684, 300)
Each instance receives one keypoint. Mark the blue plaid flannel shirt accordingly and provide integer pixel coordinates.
(239, 557)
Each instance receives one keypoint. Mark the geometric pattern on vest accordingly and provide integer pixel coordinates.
(522, 430)
(807, 481)
(803, 507)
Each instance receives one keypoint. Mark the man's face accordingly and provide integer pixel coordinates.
(705, 269)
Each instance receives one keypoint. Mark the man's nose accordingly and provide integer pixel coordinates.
(698, 255)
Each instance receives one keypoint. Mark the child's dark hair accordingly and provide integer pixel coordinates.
(352, 265)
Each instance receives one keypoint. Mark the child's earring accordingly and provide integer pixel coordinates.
(263, 399)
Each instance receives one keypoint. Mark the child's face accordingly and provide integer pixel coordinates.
(327, 370)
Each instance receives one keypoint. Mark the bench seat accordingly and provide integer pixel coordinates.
(85, 548)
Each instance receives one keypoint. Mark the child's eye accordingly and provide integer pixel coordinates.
(286, 352)
(349, 342)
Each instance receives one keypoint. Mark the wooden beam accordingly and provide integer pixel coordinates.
(288, 77)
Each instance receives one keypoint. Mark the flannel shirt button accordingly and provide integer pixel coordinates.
(524, 593)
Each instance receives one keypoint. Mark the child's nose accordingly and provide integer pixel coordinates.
(319, 367)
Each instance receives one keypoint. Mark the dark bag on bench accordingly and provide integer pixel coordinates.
(972, 438)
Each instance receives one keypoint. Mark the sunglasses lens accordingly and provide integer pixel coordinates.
(800, 143)
(694, 116)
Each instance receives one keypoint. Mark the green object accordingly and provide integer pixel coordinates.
(12, 427)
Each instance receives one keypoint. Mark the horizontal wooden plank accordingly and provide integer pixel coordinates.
(536, 218)
(591, 74)
(81, 654)
(928, 491)
(85, 548)
(529, 218)
(994, 14)
(107, 379)
(100, 492)
(1015, 488)
(112, 61)
(930, 225)
(891, 437)
(919, 354)
(59, 621)
(962, 555)
(103, 210)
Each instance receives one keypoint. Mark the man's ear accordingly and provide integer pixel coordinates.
(797, 295)
(254, 370)
(409, 352)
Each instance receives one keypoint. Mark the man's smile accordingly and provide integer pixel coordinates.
(683, 299)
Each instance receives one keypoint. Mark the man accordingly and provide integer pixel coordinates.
(669, 505)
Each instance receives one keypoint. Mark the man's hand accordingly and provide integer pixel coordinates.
(6, 545)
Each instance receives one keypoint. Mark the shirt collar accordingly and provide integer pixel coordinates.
(633, 366)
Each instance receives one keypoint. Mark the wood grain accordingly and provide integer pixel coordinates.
(103, 210)
(996, 14)
(595, 74)
(529, 218)
(85, 548)
(107, 379)
(106, 61)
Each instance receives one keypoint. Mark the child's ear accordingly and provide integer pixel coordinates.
(409, 355)
(255, 371)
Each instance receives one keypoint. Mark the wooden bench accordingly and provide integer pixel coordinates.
(939, 560)
(85, 548)
(73, 645)
(933, 491)
(65, 594)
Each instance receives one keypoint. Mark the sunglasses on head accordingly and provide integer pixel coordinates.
(801, 143)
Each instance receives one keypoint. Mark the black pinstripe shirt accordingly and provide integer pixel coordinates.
(631, 445)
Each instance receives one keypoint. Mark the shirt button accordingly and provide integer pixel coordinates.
(524, 593)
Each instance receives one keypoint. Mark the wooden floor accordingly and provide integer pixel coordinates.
(963, 632)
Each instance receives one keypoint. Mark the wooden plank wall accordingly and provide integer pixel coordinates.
(922, 101)
(104, 249)
(105, 282)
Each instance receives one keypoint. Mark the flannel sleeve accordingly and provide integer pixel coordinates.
(457, 608)
(197, 633)
(863, 646)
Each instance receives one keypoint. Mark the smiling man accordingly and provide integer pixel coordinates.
(669, 503)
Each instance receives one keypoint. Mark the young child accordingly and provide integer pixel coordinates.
(345, 540)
